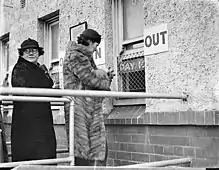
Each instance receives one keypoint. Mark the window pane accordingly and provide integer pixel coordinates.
(8, 60)
(6, 65)
(55, 40)
(6, 56)
(133, 19)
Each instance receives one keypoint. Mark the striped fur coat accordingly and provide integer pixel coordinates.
(81, 73)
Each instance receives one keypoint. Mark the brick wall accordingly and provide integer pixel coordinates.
(140, 143)
(136, 137)
(160, 136)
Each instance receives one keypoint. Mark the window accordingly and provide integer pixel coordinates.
(50, 36)
(5, 61)
(51, 40)
(132, 19)
(54, 31)
(5, 54)
(129, 27)
(53, 35)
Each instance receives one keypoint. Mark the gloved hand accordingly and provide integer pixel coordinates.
(101, 74)
(110, 74)
(43, 67)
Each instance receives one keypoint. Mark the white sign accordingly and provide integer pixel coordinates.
(156, 39)
(99, 55)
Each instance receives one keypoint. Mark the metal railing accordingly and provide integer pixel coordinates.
(90, 93)
(58, 95)
(161, 163)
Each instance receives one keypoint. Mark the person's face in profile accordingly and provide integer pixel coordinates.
(92, 46)
(31, 55)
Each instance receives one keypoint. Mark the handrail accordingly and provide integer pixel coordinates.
(36, 162)
(90, 93)
(58, 95)
(33, 99)
(160, 163)
(10, 103)
(70, 158)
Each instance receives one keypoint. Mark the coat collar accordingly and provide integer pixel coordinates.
(81, 48)
(22, 60)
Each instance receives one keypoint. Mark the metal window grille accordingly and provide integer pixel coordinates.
(131, 74)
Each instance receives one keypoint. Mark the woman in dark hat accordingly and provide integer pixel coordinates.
(32, 132)
(81, 73)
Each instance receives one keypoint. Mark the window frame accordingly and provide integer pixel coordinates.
(45, 23)
(119, 44)
(3, 40)
(48, 41)
(118, 41)
(118, 17)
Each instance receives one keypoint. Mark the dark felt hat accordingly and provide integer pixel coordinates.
(92, 35)
(30, 43)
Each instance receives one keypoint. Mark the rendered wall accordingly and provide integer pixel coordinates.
(26, 24)
(191, 66)
(192, 63)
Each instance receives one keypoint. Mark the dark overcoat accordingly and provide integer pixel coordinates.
(32, 131)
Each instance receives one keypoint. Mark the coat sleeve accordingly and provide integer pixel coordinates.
(81, 66)
(46, 72)
(20, 77)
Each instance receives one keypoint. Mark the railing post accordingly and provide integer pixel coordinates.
(1, 148)
(71, 132)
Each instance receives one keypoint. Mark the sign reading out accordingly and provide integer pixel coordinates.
(156, 39)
